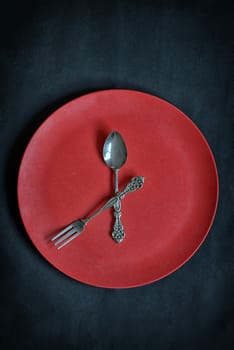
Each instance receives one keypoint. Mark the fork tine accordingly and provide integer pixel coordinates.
(69, 227)
(69, 240)
(65, 236)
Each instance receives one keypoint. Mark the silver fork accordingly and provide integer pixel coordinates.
(73, 230)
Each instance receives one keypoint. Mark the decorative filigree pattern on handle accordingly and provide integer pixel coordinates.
(136, 183)
(118, 233)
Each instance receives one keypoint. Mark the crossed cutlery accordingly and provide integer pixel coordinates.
(74, 229)
(115, 156)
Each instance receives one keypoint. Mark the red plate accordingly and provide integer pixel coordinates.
(62, 177)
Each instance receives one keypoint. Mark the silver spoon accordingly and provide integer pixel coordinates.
(115, 156)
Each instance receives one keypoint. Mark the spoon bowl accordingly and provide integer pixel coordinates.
(114, 151)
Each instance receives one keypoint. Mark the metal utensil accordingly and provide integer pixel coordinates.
(115, 156)
(76, 227)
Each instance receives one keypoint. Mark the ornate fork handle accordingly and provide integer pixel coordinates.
(135, 184)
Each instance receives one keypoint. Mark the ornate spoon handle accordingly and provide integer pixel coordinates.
(118, 233)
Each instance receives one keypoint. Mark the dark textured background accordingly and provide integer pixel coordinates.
(53, 51)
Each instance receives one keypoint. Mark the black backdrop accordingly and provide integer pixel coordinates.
(52, 51)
